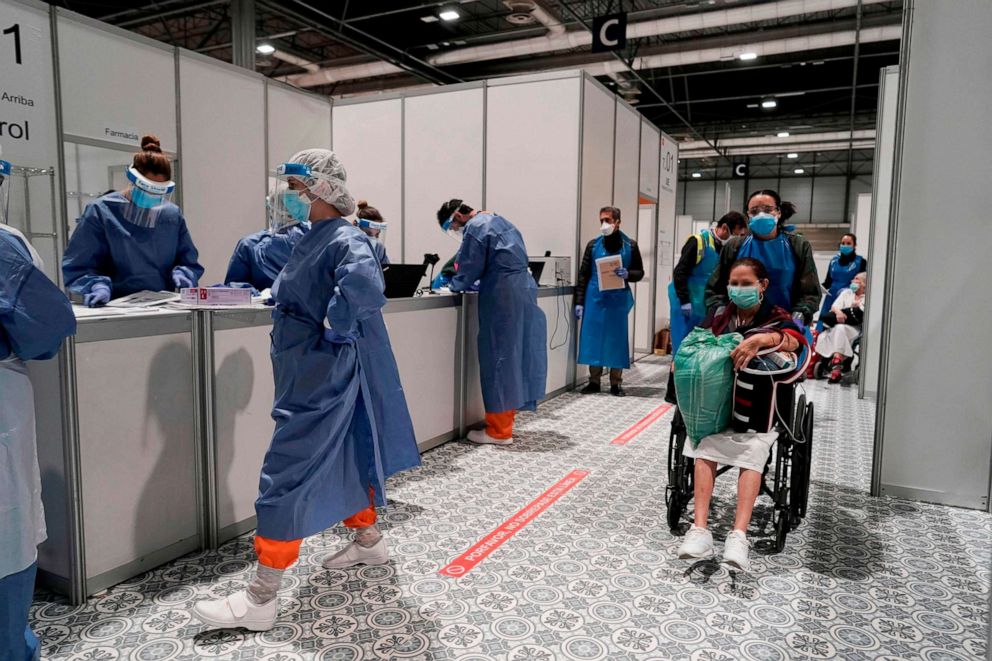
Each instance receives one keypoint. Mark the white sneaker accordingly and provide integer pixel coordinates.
(735, 551)
(237, 610)
(482, 438)
(356, 554)
(697, 545)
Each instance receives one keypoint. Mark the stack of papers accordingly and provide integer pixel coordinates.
(605, 270)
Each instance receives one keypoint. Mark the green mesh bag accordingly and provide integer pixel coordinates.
(704, 382)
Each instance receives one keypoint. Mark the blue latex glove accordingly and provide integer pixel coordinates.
(180, 279)
(622, 272)
(579, 310)
(687, 311)
(99, 295)
(335, 337)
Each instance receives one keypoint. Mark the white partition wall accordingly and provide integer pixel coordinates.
(668, 241)
(650, 152)
(223, 162)
(642, 328)
(877, 245)
(295, 120)
(645, 301)
(934, 423)
(598, 116)
(442, 159)
(627, 161)
(368, 139)
(534, 183)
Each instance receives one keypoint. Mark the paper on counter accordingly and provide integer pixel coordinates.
(143, 299)
(605, 270)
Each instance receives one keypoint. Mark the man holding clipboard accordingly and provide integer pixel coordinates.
(603, 301)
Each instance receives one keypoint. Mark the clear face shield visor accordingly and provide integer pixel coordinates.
(148, 198)
(375, 229)
(449, 228)
(277, 213)
(6, 169)
(310, 186)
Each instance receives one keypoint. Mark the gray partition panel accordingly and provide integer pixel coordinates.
(935, 418)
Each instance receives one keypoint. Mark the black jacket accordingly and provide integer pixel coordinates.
(613, 244)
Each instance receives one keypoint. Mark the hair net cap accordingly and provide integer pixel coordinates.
(329, 180)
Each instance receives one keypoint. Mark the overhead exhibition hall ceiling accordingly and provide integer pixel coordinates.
(816, 64)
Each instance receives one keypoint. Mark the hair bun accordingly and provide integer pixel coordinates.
(362, 204)
(151, 143)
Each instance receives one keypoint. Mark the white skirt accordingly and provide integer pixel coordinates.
(745, 450)
(837, 340)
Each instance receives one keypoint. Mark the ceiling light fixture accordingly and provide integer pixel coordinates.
(697, 175)
(792, 155)
(782, 134)
(769, 103)
(799, 171)
(265, 49)
(429, 19)
(747, 57)
(449, 15)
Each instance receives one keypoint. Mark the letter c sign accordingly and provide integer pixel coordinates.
(609, 33)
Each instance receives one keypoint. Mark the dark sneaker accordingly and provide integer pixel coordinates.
(617, 391)
(590, 389)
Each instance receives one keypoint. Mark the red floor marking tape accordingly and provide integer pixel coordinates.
(645, 422)
(467, 561)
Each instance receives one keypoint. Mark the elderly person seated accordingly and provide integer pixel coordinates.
(764, 326)
(842, 326)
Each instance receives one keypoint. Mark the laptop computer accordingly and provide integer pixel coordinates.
(402, 280)
(536, 269)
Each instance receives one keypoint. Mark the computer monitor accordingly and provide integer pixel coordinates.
(402, 280)
(536, 269)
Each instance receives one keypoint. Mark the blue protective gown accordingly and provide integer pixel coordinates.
(841, 276)
(35, 316)
(258, 258)
(342, 424)
(107, 248)
(605, 340)
(513, 335)
(708, 260)
(380, 252)
(780, 262)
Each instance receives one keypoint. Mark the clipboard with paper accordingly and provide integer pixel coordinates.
(606, 272)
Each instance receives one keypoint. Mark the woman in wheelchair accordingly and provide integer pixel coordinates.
(764, 326)
(842, 326)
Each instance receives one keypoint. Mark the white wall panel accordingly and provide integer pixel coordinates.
(935, 423)
(650, 150)
(643, 310)
(558, 312)
(436, 172)
(223, 158)
(599, 107)
(532, 161)
(877, 245)
(668, 241)
(115, 84)
(627, 160)
(368, 139)
(296, 120)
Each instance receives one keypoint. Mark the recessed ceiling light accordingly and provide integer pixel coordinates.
(697, 175)
(429, 19)
(792, 155)
(799, 171)
(782, 134)
(265, 49)
(449, 15)
(432, 47)
(769, 103)
(746, 57)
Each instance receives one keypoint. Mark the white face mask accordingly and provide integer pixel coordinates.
(606, 228)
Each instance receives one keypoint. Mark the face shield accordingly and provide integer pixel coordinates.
(6, 168)
(147, 198)
(330, 188)
(449, 228)
(276, 211)
(375, 229)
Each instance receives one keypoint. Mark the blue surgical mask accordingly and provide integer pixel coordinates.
(298, 205)
(846, 250)
(763, 224)
(745, 298)
(855, 286)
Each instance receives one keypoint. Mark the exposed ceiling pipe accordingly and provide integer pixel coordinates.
(303, 63)
(683, 23)
(803, 142)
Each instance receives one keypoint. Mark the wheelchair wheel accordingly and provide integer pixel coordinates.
(680, 472)
(797, 476)
(781, 531)
(807, 458)
(782, 517)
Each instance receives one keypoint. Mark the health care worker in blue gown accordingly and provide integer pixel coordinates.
(135, 240)
(342, 424)
(513, 350)
(604, 341)
(844, 266)
(35, 316)
(260, 257)
(793, 283)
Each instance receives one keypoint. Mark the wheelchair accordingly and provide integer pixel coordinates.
(851, 367)
(788, 465)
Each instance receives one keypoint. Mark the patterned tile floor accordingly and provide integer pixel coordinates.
(595, 576)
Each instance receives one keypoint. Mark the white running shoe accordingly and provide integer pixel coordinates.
(356, 554)
(697, 545)
(482, 438)
(735, 551)
(237, 611)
